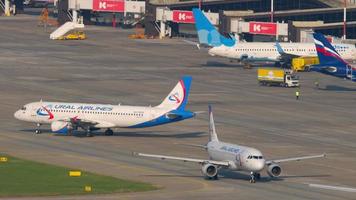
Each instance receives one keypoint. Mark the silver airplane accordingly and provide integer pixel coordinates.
(231, 156)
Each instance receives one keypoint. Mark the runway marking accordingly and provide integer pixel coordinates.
(329, 187)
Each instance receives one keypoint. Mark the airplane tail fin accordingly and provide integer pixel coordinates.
(207, 33)
(212, 131)
(178, 97)
(327, 54)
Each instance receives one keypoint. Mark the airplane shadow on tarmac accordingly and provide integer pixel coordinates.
(221, 64)
(148, 134)
(338, 88)
(244, 176)
(232, 64)
(264, 178)
(227, 174)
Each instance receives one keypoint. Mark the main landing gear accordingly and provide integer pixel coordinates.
(89, 133)
(255, 176)
(109, 132)
(38, 130)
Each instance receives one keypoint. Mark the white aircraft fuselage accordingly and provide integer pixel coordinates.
(267, 51)
(232, 157)
(107, 116)
(65, 117)
(241, 158)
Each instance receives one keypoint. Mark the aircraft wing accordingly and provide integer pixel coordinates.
(83, 123)
(200, 161)
(198, 45)
(295, 159)
(193, 145)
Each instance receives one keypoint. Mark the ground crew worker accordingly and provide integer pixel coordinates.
(316, 83)
(297, 95)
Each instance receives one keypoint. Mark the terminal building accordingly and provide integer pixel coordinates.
(290, 20)
(298, 16)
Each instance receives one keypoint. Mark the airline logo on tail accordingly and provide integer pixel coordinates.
(174, 97)
(207, 33)
(330, 60)
(178, 97)
(326, 52)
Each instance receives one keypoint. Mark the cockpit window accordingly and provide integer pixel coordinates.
(255, 157)
(23, 108)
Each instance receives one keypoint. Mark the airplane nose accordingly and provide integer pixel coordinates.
(259, 165)
(212, 51)
(17, 115)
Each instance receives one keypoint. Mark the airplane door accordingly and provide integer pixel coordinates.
(34, 112)
(152, 116)
(238, 159)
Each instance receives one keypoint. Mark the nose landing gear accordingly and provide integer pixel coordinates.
(38, 130)
(89, 133)
(255, 176)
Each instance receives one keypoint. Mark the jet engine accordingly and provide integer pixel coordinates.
(209, 170)
(274, 170)
(61, 127)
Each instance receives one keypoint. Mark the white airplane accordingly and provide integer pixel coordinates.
(66, 117)
(232, 157)
(247, 52)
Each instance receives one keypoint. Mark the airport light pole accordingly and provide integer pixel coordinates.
(345, 5)
(7, 8)
(272, 10)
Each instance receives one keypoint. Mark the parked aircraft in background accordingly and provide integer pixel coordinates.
(66, 117)
(331, 61)
(246, 52)
(232, 157)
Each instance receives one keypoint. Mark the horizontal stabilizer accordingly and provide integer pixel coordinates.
(176, 114)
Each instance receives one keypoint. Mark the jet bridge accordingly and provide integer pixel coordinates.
(165, 17)
(111, 6)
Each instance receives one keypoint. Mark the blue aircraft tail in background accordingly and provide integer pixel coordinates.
(207, 33)
(330, 60)
(326, 52)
